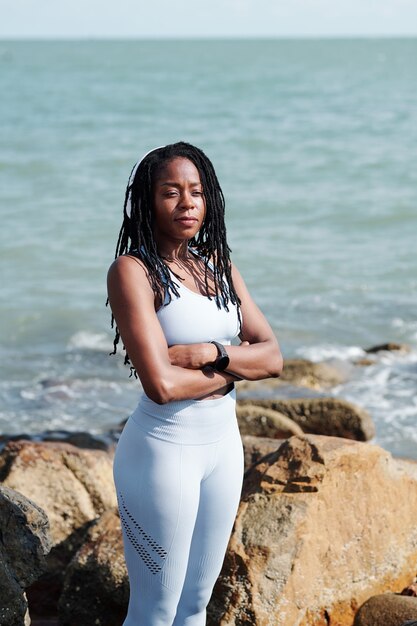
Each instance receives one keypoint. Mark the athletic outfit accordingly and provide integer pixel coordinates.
(178, 472)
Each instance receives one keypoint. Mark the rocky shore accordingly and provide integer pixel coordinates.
(326, 531)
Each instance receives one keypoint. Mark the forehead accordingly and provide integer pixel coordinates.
(178, 169)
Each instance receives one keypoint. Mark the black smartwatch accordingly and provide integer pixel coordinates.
(222, 360)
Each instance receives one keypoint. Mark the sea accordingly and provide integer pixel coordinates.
(315, 145)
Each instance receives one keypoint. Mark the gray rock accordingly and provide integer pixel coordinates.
(24, 544)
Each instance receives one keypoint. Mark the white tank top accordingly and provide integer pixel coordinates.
(194, 318)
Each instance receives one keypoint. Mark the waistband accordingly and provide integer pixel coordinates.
(187, 421)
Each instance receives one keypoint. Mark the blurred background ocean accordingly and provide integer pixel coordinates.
(315, 145)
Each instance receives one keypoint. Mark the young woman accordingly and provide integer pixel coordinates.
(178, 302)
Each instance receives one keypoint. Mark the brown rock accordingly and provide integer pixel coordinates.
(24, 543)
(391, 346)
(264, 422)
(73, 486)
(317, 533)
(387, 609)
(323, 416)
(257, 447)
(300, 372)
(96, 587)
(309, 374)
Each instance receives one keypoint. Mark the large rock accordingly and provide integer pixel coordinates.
(300, 372)
(73, 486)
(387, 609)
(324, 523)
(264, 422)
(24, 543)
(96, 587)
(323, 416)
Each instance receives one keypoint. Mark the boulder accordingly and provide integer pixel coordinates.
(300, 372)
(24, 543)
(96, 587)
(324, 523)
(256, 447)
(264, 422)
(387, 609)
(323, 416)
(74, 486)
(309, 374)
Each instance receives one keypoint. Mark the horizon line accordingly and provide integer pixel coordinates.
(68, 38)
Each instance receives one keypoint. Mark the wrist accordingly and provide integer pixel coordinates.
(222, 359)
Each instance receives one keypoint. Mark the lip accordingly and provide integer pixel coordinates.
(186, 220)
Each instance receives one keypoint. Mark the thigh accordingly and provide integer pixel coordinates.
(158, 493)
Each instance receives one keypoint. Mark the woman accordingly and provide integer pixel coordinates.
(178, 302)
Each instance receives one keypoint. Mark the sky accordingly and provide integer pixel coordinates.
(209, 18)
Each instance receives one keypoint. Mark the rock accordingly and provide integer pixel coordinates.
(80, 439)
(24, 543)
(387, 609)
(264, 422)
(364, 362)
(391, 346)
(257, 447)
(326, 416)
(309, 374)
(96, 587)
(300, 372)
(318, 531)
(73, 486)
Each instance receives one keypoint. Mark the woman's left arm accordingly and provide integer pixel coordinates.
(260, 359)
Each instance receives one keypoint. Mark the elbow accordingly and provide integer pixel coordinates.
(161, 393)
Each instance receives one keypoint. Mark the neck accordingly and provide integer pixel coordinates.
(171, 251)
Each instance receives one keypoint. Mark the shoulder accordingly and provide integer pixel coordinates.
(127, 270)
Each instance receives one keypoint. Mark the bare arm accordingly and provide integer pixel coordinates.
(132, 302)
(257, 357)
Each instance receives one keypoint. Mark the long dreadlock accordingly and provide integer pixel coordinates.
(136, 234)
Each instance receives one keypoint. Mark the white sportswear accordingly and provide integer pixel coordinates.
(178, 473)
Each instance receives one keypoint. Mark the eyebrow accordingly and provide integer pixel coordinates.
(172, 184)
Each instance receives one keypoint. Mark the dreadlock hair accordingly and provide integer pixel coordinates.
(136, 234)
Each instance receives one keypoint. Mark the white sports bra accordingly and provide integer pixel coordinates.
(194, 318)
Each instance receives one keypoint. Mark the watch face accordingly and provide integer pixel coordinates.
(222, 362)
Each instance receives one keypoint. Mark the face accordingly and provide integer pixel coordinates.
(179, 203)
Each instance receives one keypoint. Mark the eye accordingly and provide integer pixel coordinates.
(197, 193)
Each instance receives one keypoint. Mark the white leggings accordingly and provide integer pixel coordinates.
(178, 473)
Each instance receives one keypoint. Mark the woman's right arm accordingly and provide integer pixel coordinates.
(132, 302)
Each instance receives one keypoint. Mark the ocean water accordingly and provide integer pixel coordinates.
(315, 145)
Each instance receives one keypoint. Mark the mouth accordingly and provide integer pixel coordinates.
(186, 220)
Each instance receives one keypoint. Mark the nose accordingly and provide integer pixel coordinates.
(187, 200)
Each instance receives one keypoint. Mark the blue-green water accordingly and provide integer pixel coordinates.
(315, 144)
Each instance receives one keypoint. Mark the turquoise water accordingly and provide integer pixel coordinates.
(315, 144)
